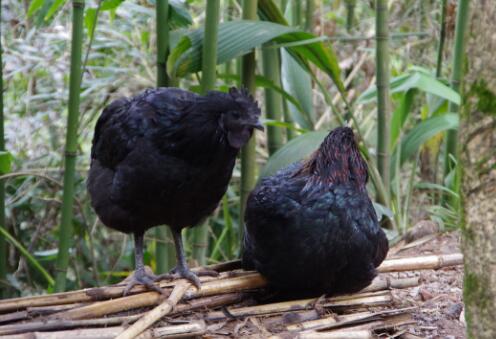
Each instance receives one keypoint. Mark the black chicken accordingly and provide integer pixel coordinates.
(311, 228)
(166, 156)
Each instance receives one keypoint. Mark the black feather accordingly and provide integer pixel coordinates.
(311, 228)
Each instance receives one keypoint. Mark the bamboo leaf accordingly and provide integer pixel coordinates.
(34, 6)
(5, 162)
(237, 38)
(178, 15)
(89, 19)
(321, 55)
(28, 255)
(295, 150)
(108, 5)
(424, 131)
(56, 5)
(400, 115)
(298, 83)
(414, 80)
(433, 186)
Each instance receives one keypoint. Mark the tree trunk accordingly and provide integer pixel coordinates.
(478, 137)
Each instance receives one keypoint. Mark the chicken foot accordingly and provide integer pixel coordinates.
(140, 276)
(182, 270)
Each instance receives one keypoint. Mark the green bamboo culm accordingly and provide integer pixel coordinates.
(209, 63)
(248, 152)
(350, 14)
(162, 29)
(310, 10)
(296, 12)
(462, 16)
(65, 231)
(383, 104)
(164, 246)
(273, 100)
(442, 37)
(3, 242)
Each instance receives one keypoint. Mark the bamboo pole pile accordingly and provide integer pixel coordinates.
(225, 306)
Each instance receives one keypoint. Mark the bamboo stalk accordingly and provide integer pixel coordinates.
(4, 292)
(442, 36)
(343, 334)
(363, 299)
(209, 63)
(421, 263)
(310, 10)
(347, 319)
(350, 14)
(102, 308)
(102, 293)
(157, 313)
(191, 329)
(9, 317)
(383, 104)
(221, 284)
(382, 283)
(456, 78)
(248, 152)
(273, 100)
(393, 321)
(65, 230)
(61, 324)
(296, 12)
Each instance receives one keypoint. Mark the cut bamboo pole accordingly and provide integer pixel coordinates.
(393, 321)
(383, 283)
(9, 317)
(63, 324)
(102, 308)
(157, 313)
(347, 319)
(343, 334)
(101, 293)
(421, 263)
(211, 286)
(358, 300)
(191, 329)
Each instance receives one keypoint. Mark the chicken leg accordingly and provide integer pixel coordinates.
(182, 270)
(140, 276)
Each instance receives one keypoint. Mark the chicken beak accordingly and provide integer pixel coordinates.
(258, 125)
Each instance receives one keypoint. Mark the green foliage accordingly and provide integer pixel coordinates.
(5, 162)
(28, 256)
(293, 151)
(485, 99)
(425, 130)
(121, 61)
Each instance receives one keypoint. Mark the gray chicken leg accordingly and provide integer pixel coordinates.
(140, 276)
(182, 270)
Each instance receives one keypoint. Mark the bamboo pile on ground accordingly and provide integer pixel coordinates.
(223, 306)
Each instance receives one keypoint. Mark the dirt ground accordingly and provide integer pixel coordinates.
(439, 295)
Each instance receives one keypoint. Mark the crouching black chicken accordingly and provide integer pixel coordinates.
(166, 156)
(311, 228)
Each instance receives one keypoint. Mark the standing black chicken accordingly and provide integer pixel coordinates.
(166, 156)
(311, 228)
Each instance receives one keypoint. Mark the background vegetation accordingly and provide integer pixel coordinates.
(312, 66)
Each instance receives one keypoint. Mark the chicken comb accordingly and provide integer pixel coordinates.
(243, 97)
